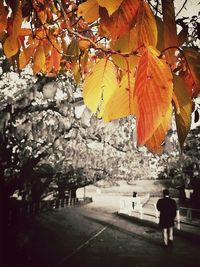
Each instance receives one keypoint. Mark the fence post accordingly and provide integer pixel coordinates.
(189, 214)
(178, 220)
(156, 214)
(141, 212)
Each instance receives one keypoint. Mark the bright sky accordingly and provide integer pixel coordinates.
(192, 7)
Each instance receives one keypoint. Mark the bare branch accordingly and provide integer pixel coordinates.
(181, 8)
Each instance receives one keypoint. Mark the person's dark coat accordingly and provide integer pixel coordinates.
(167, 208)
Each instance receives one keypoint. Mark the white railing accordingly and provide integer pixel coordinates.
(133, 204)
(186, 216)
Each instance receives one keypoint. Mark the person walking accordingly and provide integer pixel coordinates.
(167, 208)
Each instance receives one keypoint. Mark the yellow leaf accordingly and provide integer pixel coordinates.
(89, 10)
(39, 60)
(110, 5)
(10, 46)
(76, 72)
(121, 104)
(154, 144)
(64, 45)
(170, 33)
(125, 44)
(146, 26)
(153, 92)
(99, 86)
(183, 117)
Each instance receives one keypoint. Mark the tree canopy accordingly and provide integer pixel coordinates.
(135, 58)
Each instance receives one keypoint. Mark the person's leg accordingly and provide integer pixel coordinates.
(170, 234)
(165, 236)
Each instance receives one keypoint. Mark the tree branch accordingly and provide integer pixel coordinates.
(181, 8)
(92, 43)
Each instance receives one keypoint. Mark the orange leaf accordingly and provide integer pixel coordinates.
(42, 15)
(3, 17)
(56, 59)
(153, 92)
(183, 117)
(25, 56)
(121, 103)
(160, 29)
(10, 46)
(170, 33)
(122, 20)
(154, 144)
(146, 26)
(111, 6)
(25, 32)
(17, 22)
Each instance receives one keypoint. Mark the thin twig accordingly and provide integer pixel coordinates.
(181, 8)
(92, 43)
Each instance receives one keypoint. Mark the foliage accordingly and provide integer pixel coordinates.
(129, 54)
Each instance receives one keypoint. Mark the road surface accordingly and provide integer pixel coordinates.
(90, 236)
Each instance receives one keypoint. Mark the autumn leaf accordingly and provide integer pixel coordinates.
(89, 10)
(153, 92)
(17, 22)
(39, 60)
(121, 104)
(146, 26)
(125, 44)
(160, 30)
(111, 6)
(56, 58)
(99, 86)
(122, 20)
(25, 56)
(10, 46)
(76, 73)
(47, 47)
(24, 32)
(73, 51)
(155, 143)
(64, 45)
(192, 58)
(183, 115)
(3, 17)
(170, 33)
(183, 34)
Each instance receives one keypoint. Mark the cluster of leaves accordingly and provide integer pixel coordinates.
(132, 62)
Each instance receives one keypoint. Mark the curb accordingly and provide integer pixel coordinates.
(194, 236)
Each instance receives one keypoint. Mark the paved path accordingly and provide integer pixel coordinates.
(93, 235)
